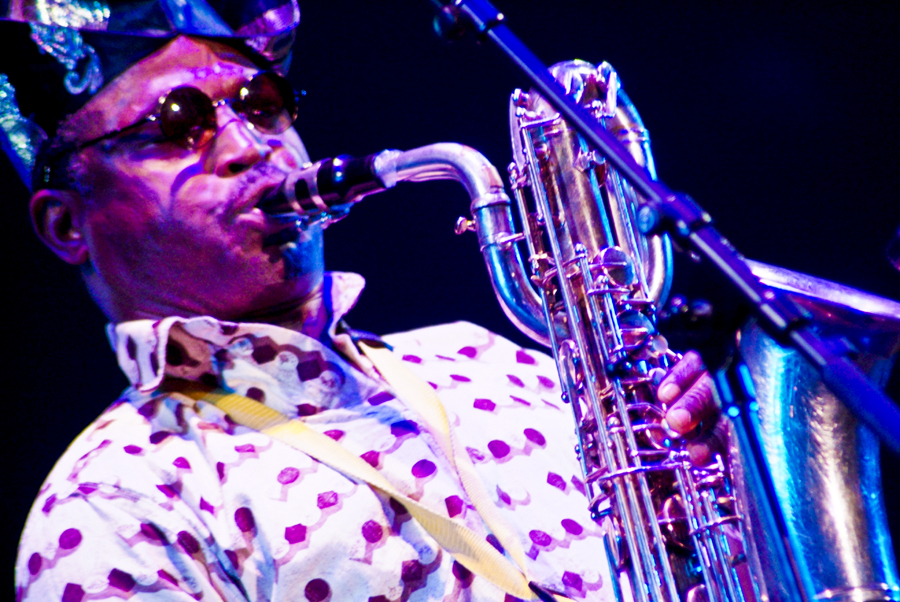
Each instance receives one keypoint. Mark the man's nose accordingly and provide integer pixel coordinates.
(237, 146)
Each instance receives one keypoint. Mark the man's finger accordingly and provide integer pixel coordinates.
(695, 405)
(708, 444)
(682, 375)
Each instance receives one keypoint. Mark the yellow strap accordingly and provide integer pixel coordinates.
(472, 551)
(421, 398)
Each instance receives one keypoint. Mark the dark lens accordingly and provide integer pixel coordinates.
(187, 116)
(268, 102)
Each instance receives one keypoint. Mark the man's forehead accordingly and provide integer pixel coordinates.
(210, 66)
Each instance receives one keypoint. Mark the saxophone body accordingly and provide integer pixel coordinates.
(674, 530)
(589, 290)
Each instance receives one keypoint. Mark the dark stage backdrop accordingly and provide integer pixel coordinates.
(782, 122)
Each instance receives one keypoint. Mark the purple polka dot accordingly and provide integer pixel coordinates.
(243, 518)
(460, 378)
(204, 505)
(515, 380)
(404, 427)
(182, 463)
(499, 448)
(380, 398)
(295, 534)
(256, 394)
(288, 475)
(423, 468)
(148, 409)
(547, 383)
(48, 504)
(572, 527)
(540, 538)
(326, 500)
(132, 449)
(247, 448)
(154, 363)
(372, 531)
(34, 563)
(307, 409)
(556, 480)
(153, 533)
(519, 400)
(228, 328)
(412, 358)
(372, 458)
(121, 580)
(233, 558)
(131, 348)
(87, 488)
(576, 482)
(317, 590)
(69, 539)
(462, 574)
(72, 593)
(378, 599)
(535, 437)
(492, 539)
(411, 571)
(167, 490)
(522, 357)
(504, 497)
(468, 352)
(572, 580)
(335, 434)
(220, 470)
(188, 542)
(167, 577)
(454, 505)
(159, 437)
(484, 404)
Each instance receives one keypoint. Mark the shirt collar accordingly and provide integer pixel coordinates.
(146, 356)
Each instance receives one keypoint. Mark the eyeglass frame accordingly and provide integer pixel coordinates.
(56, 153)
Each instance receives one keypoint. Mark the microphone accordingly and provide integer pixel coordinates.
(328, 186)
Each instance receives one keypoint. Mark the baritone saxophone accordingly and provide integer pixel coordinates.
(590, 291)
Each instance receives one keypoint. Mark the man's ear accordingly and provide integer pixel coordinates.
(54, 214)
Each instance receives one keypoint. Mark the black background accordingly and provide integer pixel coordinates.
(780, 120)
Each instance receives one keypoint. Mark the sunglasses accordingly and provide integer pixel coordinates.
(187, 116)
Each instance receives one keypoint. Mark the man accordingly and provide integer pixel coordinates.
(165, 495)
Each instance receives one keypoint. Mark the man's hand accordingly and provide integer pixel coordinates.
(687, 393)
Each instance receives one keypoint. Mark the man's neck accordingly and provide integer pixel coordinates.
(307, 316)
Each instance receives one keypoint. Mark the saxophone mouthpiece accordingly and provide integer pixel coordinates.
(326, 187)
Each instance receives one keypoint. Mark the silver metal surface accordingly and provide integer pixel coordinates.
(671, 523)
(825, 465)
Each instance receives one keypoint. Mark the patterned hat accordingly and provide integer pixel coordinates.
(56, 54)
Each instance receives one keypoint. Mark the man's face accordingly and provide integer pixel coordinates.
(172, 231)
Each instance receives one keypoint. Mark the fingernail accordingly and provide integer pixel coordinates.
(680, 419)
(668, 392)
(700, 454)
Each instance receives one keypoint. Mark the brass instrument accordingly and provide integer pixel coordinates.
(676, 532)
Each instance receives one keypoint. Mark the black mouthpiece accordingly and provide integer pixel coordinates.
(317, 188)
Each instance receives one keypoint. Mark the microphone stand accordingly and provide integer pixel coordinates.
(692, 227)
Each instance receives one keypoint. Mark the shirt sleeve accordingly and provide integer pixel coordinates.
(104, 542)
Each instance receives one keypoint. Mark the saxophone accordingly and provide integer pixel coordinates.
(675, 532)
